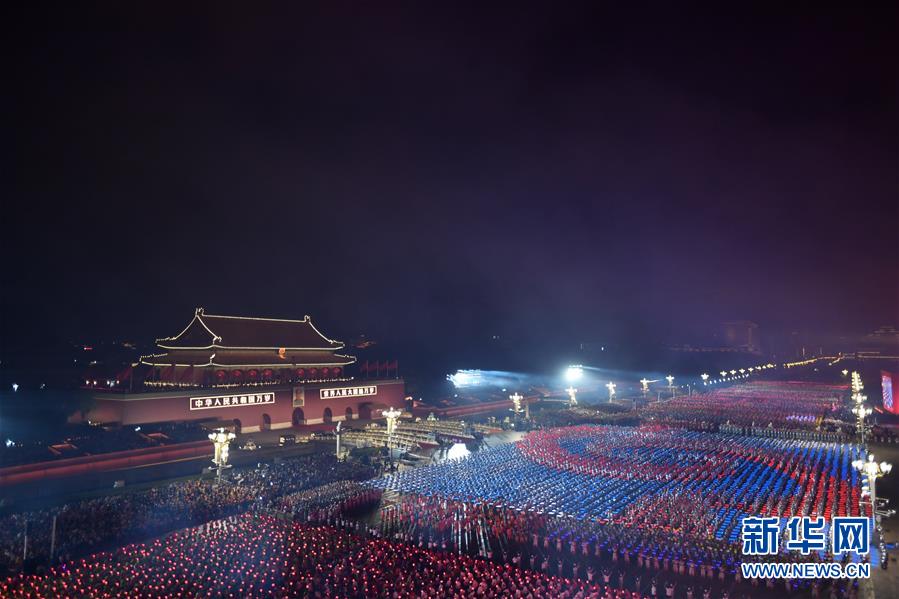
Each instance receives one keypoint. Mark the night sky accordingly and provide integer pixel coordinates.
(431, 178)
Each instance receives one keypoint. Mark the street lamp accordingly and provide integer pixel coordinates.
(872, 470)
(516, 405)
(723, 373)
(670, 380)
(221, 439)
(572, 396)
(611, 387)
(705, 378)
(856, 382)
(516, 402)
(391, 415)
(337, 434)
(862, 412)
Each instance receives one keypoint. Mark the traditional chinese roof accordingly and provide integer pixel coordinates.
(230, 358)
(208, 331)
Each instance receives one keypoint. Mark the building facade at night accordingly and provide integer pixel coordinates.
(251, 374)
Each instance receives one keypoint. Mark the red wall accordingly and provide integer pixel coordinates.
(142, 408)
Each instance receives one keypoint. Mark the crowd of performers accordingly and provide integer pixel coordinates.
(566, 501)
(254, 555)
(646, 560)
(797, 407)
(113, 520)
(582, 511)
(616, 474)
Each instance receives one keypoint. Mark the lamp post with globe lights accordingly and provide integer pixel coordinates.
(572, 396)
(670, 380)
(221, 439)
(856, 382)
(873, 470)
(516, 403)
(861, 412)
(611, 387)
(391, 414)
(337, 435)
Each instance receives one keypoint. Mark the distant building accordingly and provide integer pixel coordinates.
(741, 335)
(885, 336)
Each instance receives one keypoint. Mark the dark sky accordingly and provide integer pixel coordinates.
(432, 177)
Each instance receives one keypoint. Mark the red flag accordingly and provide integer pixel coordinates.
(364, 367)
(395, 364)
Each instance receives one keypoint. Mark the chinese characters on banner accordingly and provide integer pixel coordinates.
(339, 392)
(231, 401)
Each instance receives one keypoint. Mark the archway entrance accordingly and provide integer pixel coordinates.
(328, 416)
(237, 425)
(266, 423)
(298, 418)
(349, 413)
